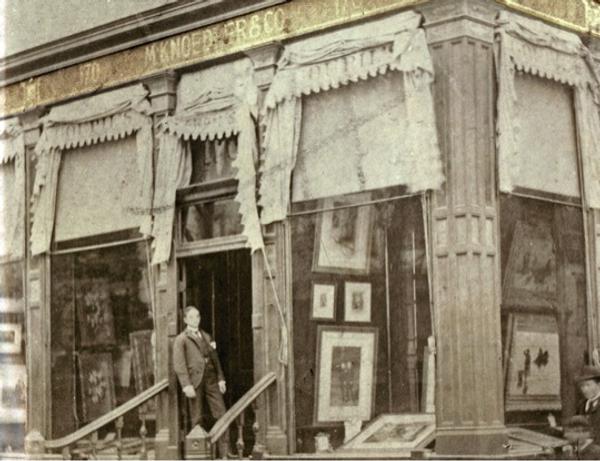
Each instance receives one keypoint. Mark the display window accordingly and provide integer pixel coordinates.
(361, 310)
(101, 335)
(544, 307)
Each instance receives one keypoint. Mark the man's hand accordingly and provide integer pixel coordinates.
(189, 391)
(222, 387)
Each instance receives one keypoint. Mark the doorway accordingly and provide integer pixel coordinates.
(220, 286)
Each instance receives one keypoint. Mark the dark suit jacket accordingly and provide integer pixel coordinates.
(190, 356)
(593, 416)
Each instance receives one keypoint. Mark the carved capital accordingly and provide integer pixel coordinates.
(30, 121)
(163, 92)
(451, 19)
(265, 60)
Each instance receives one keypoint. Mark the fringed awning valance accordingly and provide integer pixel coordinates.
(11, 140)
(530, 46)
(344, 57)
(216, 119)
(100, 118)
(213, 104)
(12, 187)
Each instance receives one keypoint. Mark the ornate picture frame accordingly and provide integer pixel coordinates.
(343, 236)
(323, 301)
(97, 384)
(532, 363)
(346, 373)
(357, 302)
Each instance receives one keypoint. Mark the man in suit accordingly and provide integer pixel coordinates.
(199, 371)
(589, 385)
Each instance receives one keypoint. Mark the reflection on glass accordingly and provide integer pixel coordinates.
(210, 220)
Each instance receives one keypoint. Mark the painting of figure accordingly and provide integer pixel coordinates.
(345, 373)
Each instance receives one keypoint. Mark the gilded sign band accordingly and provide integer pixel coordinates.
(291, 19)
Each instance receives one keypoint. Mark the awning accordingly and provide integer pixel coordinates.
(213, 104)
(340, 58)
(532, 47)
(103, 118)
(12, 190)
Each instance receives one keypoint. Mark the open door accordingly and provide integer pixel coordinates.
(220, 286)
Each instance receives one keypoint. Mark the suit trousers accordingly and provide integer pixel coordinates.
(209, 390)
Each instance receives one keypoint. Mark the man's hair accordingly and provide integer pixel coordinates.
(189, 308)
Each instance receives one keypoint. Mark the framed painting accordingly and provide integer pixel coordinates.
(357, 302)
(530, 278)
(13, 393)
(97, 384)
(399, 433)
(323, 301)
(345, 378)
(343, 236)
(11, 335)
(143, 366)
(533, 363)
(94, 312)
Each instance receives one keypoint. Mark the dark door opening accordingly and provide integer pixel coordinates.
(220, 286)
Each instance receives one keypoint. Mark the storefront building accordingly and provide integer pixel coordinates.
(385, 210)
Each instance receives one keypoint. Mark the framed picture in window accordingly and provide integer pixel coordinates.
(13, 393)
(345, 378)
(143, 366)
(94, 312)
(97, 384)
(10, 338)
(323, 301)
(357, 302)
(533, 363)
(343, 236)
(398, 433)
(530, 278)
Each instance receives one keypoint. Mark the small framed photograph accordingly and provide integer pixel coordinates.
(357, 302)
(343, 236)
(345, 378)
(323, 301)
(10, 338)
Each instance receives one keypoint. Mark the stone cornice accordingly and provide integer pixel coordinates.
(146, 27)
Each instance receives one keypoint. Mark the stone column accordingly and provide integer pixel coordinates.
(464, 231)
(272, 409)
(163, 90)
(37, 311)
